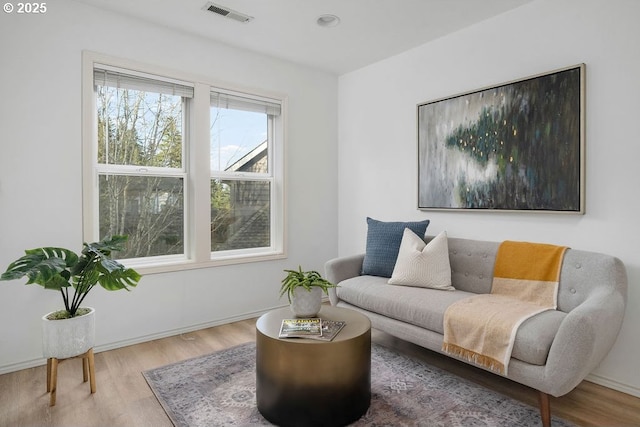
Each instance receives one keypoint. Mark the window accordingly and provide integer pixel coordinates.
(153, 171)
(241, 171)
(140, 168)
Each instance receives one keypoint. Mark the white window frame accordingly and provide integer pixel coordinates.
(269, 176)
(196, 170)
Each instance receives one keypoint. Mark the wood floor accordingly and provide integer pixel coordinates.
(124, 399)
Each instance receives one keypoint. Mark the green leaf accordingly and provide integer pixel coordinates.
(56, 283)
(43, 266)
(121, 279)
(110, 265)
(104, 247)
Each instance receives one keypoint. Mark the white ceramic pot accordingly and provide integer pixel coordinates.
(306, 303)
(68, 337)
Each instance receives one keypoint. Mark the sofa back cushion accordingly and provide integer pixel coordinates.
(582, 273)
(472, 264)
(586, 272)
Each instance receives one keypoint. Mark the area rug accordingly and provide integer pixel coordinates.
(219, 390)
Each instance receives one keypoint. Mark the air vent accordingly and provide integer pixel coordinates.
(226, 12)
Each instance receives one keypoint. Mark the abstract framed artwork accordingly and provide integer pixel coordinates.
(518, 146)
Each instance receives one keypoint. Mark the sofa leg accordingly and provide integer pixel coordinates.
(545, 408)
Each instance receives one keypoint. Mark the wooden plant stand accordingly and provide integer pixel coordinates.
(88, 372)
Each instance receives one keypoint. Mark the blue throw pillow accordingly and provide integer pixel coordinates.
(383, 244)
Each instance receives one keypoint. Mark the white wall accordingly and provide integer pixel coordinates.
(377, 137)
(40, 174)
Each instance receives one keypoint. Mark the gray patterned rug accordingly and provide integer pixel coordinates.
(219, 390)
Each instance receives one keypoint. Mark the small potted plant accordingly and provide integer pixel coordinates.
(304, 290)
(69, 332)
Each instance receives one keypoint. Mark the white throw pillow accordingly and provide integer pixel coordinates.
(423, 265)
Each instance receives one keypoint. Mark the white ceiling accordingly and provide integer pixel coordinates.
(370, 30)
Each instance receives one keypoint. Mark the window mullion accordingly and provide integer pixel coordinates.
(138, 170)
(244, 176)
(199, 206)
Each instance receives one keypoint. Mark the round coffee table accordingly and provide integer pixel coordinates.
(301, 381)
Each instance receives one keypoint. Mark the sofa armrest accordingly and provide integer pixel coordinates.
(584, 338)
(339, 269)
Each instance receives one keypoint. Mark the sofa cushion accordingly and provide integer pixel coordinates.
(425, 308)
(383, 243)
(419, 306)
(423, 265)
(535, 335)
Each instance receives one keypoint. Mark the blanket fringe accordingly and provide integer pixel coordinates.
(475, 358)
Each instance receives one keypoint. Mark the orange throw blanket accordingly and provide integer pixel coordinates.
(482, 329)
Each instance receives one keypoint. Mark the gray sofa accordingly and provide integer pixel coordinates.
(553, 351)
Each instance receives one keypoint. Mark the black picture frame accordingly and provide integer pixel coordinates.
(518, 146)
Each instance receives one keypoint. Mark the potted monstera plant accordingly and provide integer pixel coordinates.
(304, 290)
(70, 331)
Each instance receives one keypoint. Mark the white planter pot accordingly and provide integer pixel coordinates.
(68, 337)
(306, 303)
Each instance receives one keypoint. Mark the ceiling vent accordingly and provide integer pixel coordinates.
(226, 12)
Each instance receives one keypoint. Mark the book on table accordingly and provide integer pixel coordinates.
(314, 328)
(300, 328)
(330, 329)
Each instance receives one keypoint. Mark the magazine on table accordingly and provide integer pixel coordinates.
(330, 329)
(301, 328)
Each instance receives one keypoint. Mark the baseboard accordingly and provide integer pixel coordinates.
(180, 331)
(13, 367)
(612, 384)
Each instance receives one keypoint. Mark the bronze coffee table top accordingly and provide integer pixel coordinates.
(357, 324)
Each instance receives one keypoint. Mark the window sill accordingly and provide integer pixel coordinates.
(181, 264)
